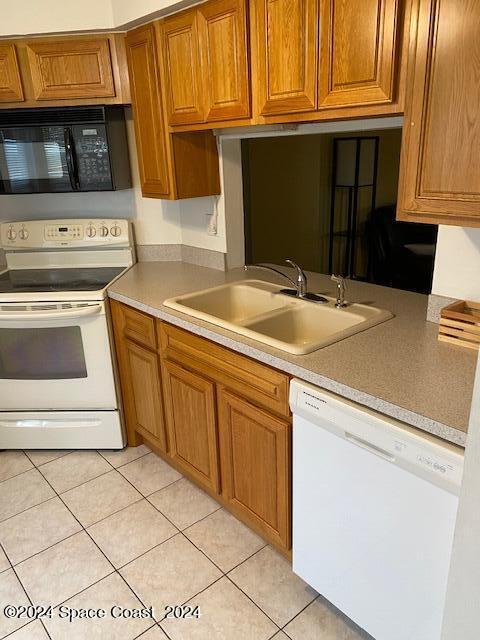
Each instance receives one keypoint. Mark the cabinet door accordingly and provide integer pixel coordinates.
(223, 46)
(10, 83)
(255, 460)
(183, 77)
(72, 68)
(440, 167)
(147, 111)
(191, 423)
(358, 52)
(141, 386)
(284, 55)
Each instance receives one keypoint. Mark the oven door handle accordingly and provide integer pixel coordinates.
(51, 424)
(81, 312)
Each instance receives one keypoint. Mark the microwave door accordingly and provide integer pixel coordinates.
(34, 160)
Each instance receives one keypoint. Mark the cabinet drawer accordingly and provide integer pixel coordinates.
(135, 325)
(258, 382)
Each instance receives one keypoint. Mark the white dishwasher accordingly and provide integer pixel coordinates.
(374, 509)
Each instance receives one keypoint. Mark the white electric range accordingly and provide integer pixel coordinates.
(57, 369)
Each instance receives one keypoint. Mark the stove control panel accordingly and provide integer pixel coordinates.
(46, 234)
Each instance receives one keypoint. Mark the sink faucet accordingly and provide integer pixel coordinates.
(299, 284)
(341, 286)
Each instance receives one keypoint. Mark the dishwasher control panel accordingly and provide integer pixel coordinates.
(377, 434)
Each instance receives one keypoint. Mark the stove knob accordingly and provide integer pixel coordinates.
(23, 233)
(90, 231)
(11, 233)
(103, 231)
(115, 231)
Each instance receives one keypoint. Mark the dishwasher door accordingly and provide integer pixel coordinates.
(374, 509)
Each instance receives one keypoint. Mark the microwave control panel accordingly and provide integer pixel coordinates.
(93, 159)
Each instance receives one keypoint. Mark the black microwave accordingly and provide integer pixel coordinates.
(70, 149)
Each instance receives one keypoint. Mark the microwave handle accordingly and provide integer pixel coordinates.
(71, 158)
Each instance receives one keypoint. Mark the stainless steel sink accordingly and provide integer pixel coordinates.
(257, 310)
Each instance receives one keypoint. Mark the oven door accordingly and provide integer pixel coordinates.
(55, 356)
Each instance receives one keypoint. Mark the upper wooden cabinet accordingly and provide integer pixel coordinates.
(311, 55)
(357, 52)
(206, 63)
(284, 35)
(147, 110)
(183, 75)
(223, 49)
(10, 83)
(171, 166)
(69, 68)
(440, 167)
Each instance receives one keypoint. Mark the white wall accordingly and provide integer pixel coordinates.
(457, 263)
(24, 17)
(31, 17)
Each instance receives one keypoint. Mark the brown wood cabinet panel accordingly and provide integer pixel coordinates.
(139, 371)
(148, 113)
(284, 36)
(10, 82)
(440, 167)
(71, 68)
(142, 391)
(255, 455)
(223, 47)
(191, 422)
(357, 52)
(182, 72)
(260, 383)
(138, 326)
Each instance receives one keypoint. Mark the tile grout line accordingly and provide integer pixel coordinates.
(28, 597)
(125, 463)
(101, 551)
(278, 628)
(115, 570)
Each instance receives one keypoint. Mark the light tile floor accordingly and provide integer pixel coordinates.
(90, 530)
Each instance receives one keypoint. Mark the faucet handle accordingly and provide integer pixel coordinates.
(341, 286)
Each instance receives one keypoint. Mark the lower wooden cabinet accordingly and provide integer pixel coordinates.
(255, 460)
(191, 423)
(142, 392)
(196, 404)
(139, 372)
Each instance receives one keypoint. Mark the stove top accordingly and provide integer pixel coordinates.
(16, 281)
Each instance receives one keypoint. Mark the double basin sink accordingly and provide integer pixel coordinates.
(256, 309)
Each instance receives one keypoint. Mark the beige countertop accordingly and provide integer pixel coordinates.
(398, 367)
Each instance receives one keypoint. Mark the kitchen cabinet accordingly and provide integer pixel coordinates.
(191, 423)
(223, 51)
(140, 378)
(64, 71)
(71, 68)
(284, 37)
(312, 55)
(357, 52)
(183, 165)
(227, 419)
(255, 459)
(206, 63)
(183, 75)
(10, 82)
(440, 164)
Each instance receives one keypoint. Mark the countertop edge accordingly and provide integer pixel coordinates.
(411, 418)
